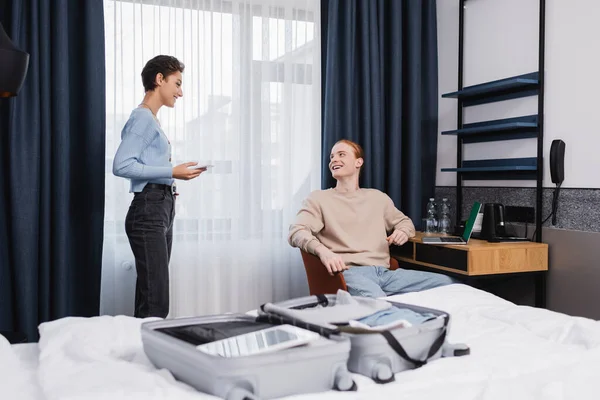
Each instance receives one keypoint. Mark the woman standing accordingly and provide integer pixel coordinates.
(144, 157)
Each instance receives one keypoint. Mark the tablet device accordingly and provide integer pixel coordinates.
(262, 341)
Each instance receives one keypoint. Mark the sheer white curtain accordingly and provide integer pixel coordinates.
(251, 107)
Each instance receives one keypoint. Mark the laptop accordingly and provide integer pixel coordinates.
(464, 239)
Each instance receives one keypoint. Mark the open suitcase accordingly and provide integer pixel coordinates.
(378, 355)
(319, 366)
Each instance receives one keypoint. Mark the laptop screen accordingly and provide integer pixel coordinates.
(471, 221)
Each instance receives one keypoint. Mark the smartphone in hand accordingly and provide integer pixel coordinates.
(205, 166)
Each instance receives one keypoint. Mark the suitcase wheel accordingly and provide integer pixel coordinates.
(462, 352)
(382, 373)
(238, 393)
(455, 350)
(343, 381)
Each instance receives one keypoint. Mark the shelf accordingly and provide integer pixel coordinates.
(503, 89)
(501, 129)
(506, 168)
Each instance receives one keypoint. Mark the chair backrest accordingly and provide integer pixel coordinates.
(319, 280)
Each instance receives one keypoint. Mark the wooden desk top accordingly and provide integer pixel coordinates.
(479, 257)
(480, 245)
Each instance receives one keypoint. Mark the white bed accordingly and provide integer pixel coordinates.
(516, 353)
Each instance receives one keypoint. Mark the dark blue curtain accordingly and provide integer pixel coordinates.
(380, 90)
(52, 145)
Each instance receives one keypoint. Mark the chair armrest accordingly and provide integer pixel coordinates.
(319, 280)
(394, 264)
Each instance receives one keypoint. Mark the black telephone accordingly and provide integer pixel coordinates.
(557, 161)
(557, 172)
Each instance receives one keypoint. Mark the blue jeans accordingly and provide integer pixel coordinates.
(370, 281)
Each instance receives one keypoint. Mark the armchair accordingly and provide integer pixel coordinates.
(319, 280)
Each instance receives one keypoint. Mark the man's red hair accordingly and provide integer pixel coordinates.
(356, 148)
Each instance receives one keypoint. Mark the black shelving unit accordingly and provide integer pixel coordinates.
(503, 89)
(530, 126)
(496, 130)
(503, 168)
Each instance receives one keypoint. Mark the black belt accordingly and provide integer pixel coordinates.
(167, 188)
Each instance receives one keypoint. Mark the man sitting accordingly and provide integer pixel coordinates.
(347, 228)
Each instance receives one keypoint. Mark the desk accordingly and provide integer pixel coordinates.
(479, 258)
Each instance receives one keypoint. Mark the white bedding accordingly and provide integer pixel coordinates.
(516, 353)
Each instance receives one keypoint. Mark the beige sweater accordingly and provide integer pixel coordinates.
(352, 225)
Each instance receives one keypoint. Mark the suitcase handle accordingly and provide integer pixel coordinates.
(435, 347)
(320, 300)
(279, 320)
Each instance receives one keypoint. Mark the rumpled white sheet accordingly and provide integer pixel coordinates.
(102, 358)
(16, 380)
(516, 353)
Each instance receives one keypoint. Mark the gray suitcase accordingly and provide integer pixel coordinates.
(379, 355)
(319, 366)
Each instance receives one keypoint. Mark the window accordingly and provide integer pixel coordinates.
(251, 107)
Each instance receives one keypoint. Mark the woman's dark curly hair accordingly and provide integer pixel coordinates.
(165, 65)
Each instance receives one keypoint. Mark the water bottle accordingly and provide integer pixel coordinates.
(431, 220)
(444, 226)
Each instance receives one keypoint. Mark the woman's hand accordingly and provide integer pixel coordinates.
(182, 171)
(397, 237)
(330, 260)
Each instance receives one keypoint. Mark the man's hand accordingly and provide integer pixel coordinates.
(182, 171)
(397, 237)
(330, 260)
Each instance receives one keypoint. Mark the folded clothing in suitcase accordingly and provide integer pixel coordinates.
(320, 365)
(376, 351)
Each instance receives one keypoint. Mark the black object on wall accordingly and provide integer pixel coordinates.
(557, 161)
(52, 165)
(557, 172)
(380, 90)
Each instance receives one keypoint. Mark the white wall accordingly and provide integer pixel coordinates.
(501, 40)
